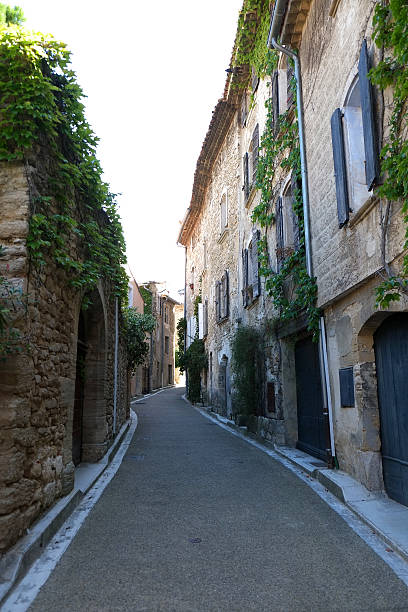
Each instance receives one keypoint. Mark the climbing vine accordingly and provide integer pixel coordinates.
(42, 111)
(253, 28)
(279, 150)
(391, 34)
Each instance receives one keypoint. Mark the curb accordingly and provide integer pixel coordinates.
(347, 490)
(16, 562)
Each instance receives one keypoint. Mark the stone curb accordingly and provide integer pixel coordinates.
(15, 563)
(350, 492)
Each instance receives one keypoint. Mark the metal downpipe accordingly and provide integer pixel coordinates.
(276, 22)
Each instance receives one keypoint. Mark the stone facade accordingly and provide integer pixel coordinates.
(347, 260)
(161, 358)
(57, 404)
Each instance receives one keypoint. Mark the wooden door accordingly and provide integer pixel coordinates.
(391, 356)
(312, 424)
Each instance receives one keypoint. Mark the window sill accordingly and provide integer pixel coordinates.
(222, 235)
(363, 211)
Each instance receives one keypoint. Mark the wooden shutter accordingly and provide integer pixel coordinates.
(244, 109)
(275, 102)
(245, 277)
(254, 80)
(340, 174)
(295, 186)
(225, 295)
(218, 300)
(290, 71)
(256, 285)
(205, 318)
(246, 175)
(372, 165)
(255, 152)
(279, 232)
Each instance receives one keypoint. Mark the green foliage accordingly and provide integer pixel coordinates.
(11, 16)
(137, 325)
(41, 106)
(181, 339)
(247, 365)
(195, 361)
(279, 150)
(391, 32)
(147, 299)
(253, 28)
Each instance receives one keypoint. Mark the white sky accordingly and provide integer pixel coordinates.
(152, 73)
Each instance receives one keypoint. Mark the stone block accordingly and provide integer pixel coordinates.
(16, 496)
(11, 526)
(11, 466)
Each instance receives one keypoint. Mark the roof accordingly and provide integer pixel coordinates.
(295, 18)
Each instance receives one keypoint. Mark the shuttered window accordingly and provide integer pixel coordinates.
(254, 80)
(296, 189)
(244, 109)
(255, 152)
(245, 300)
(340, 173)
(256, 285)
(279, 233)
(246, 187)
(372, 165)
(275, 102)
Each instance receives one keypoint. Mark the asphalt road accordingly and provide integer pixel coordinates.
(198, 520)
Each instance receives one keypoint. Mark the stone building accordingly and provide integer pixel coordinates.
(343, 397)
(161, 358)
(64, 397)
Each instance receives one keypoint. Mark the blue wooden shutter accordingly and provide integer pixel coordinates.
(275, 102)
(340, 172)
(295, 187)
(255, 152)
(256, 285)
(279, 232)
(245, 277)
(246, 175)
(372, 164)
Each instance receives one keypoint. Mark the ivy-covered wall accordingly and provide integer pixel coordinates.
(62, 254)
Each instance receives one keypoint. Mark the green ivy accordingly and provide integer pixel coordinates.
(247, 365)
(137, 325)
(181, 343)
(253, 28)
(147, 300)
(195, 361)
(279, 150)
(391, 33)
(41, 106)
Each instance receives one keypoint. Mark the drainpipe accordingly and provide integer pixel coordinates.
(115, 379)
(274, 30)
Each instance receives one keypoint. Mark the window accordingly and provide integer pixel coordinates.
(355, 146)
(223, 213)
(244, 109)
(286, 223)
(166, 345)
(222, 298)
(275, 102)
(166, 314)
(250, 163)
(170, 374)
(251, 286)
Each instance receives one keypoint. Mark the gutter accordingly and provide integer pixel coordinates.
(274, 31)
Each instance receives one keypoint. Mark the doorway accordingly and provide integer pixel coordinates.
(312, 426)
(391, 357)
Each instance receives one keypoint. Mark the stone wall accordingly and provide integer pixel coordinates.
(37, 385)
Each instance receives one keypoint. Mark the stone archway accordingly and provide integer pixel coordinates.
(91, 352)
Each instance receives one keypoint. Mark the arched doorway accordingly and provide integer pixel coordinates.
(391, 356)
(89, 425)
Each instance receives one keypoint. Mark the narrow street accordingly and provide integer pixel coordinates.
(197, 519)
